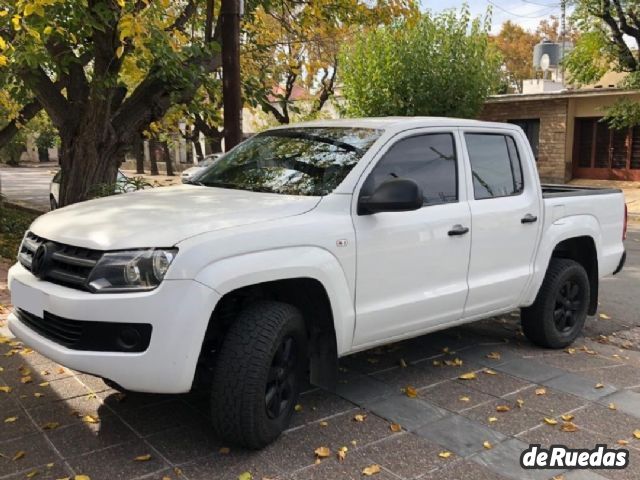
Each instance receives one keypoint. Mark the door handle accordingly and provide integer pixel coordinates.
(457, 230)
(528, 218)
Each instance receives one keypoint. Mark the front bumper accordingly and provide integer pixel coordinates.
(178, 311)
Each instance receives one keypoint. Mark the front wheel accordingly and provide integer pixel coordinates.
(558, 314)
(258, 374)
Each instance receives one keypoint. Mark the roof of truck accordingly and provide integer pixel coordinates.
(400, 123)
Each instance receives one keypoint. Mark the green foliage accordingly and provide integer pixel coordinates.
(11, 153)
(129, 184)
(590, 59)
(623, 114)
(440, 65)
(13, 224)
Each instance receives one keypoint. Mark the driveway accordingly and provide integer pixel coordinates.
(459, 404)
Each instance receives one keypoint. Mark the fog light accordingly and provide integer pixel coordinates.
(129, 338)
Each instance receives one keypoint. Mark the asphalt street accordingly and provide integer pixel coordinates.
(27, 185)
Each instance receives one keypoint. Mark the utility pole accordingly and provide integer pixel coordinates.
(231, 88)
(563, 36)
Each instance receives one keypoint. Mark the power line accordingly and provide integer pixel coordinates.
(537, 14)
(555, 5)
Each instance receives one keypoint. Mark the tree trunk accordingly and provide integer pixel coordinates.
(167, 159)
(155, 152)
(94, 167)
(138, 149)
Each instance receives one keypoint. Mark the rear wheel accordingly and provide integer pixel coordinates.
(258, 374)
(558, 314)
(53, 203)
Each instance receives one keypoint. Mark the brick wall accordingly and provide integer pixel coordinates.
(552, 156)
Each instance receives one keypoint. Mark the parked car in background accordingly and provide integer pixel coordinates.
(54, 189)
(307, 243)
(190, 173)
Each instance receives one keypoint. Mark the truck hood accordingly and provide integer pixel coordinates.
(164, 216)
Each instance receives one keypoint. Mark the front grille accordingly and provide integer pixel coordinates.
(69, 266)
(65, 332)
(88, 335)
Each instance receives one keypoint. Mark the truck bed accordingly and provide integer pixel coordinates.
(553, 191)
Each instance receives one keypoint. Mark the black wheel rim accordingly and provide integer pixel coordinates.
(567, 306)
(280, 390)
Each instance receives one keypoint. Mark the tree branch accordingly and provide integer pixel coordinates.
(48, 95)
(29, 111)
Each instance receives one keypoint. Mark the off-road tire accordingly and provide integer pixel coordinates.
(239, 385)
(538, 321)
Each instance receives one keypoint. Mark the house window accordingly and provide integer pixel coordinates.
(531, 127)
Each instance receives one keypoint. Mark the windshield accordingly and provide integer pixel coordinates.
(293, 161)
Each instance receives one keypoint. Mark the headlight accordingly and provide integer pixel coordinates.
(131, 271)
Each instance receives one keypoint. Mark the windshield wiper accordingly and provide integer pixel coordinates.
(316, 138)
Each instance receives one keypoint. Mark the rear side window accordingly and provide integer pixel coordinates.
(495, 165)
(429, 160)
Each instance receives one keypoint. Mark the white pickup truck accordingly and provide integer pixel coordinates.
(307, 243)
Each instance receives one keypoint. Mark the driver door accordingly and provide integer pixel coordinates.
(412, 266)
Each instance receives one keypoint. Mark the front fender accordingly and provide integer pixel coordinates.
(559, 231)
(231, 273)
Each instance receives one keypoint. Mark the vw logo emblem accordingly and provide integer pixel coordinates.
(40, 261)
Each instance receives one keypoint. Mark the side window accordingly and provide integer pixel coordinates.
(429, 160)
(495, 165)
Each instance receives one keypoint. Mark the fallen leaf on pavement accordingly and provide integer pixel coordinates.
(541, 391)
(143, 458)
(567, 417)
(20, 454)
(38, 395)
(637, 434)
(44, 384)
(10, 419)
(322, 452)
(520, 402)
(324, 424)
(612, 406)
(298, 407)
(488, 371)
(604, 316)
(50, 426)
(623, 442)
(502, 408)
(359, 417)
(403, 364)
(224, 450)
(411, 392)
(245, 476)
(487, 445)
(467, 376)
(492, 419)
(371, 470)
(494, 355)
(599, 385)
(90, 419)
(394, 427)
(436, 363)
(342, 453)
(570, 351)
(5, 389)
(444, 454)
(550, 421)
(464, 398)
(32, 473)
(569, 427)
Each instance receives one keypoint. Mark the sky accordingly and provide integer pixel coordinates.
(527, 13)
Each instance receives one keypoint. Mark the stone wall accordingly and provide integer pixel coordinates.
(554, 161)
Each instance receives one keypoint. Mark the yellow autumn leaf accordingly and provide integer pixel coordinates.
(90, 419)
(43, 384)
(298, 408)
(467, 376)
(359, 417)
(567, 417)
(487, 445)
(494, 355)
(245, 476)
(492, 419)
(394, 427)
(612, 406)
(519, 402)
(3, 13)
(604, 316)
(38, 395)
(47, 30)
(436, 363)
(26, 379)
(18, 455)
(623, 442)
(569, 427)
(599, 385)
(322, 452)
(119, 51)
(550, 421)
(10, 419)
(464, 398)
(342, 453)
(541, 391)
(502, 408)
(3, 46)
(636, 434)
(17, 26)
(50, 426)
(445, 454)
(121, 3)
(143, 458)
(371, 470)
(324, 424)
(488, 371)
(570, 351)
(32, 473)
(411, 392)
(4, 388)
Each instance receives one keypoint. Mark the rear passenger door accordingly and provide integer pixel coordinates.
(505, 202)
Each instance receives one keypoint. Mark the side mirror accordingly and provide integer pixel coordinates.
(395, 195)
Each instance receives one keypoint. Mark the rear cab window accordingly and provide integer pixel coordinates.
(495, 165)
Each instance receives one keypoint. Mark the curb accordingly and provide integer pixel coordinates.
(24, 208)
